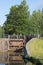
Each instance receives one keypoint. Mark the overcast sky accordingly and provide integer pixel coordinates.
(6, 4)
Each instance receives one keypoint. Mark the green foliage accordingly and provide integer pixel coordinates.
(41, 24)
(36, 22)
(1, 31)
(17, 19)
(20, 21)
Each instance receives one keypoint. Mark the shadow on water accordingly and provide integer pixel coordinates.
(33, 60)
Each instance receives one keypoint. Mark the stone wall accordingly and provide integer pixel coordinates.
(3, 44)
(11, 44)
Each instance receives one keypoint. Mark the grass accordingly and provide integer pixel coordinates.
(36, 48)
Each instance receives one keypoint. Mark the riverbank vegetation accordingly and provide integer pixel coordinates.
(1, 32)
(36, 48)
(36, 51)
(20, 21)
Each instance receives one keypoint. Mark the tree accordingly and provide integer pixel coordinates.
(17, 19)
(36, 22)
(41, 22)
(23, 18)
(10, 23)
(1, 32)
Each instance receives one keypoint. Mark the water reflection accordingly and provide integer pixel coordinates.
(2, 64)
(11, 58)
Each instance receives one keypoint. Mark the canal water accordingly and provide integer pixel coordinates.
(9, 58)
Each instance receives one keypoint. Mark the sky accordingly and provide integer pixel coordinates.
(5, 6)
